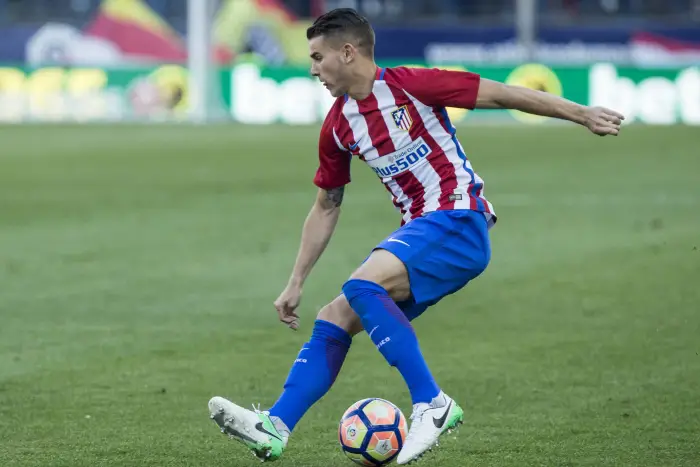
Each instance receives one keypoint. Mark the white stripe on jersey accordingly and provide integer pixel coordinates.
(400, 198)
(386, 100)
(448, 146)
(430, 179)
(359, 129)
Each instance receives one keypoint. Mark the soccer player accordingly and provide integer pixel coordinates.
(393, 119)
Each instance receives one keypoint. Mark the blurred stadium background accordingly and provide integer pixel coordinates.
(140, 254)
(94, 60)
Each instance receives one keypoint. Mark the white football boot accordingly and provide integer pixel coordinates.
(264, 435)
(428, 422)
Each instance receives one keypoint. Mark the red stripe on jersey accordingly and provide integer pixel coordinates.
(413, 189)
(439, 160)
(376, 126)
(343, 131)
(473, 205)
(448, 181)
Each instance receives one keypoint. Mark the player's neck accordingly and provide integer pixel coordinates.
(364, 81)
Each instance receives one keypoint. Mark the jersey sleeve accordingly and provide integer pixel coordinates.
(439, 88)
(334, 163)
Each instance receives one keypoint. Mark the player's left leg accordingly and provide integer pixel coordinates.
(427, 259)
(372, 292)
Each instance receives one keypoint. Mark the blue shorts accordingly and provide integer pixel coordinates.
(442, 252)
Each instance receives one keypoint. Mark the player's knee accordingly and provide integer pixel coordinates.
(388, 271)
(342, 315)
(355, 288)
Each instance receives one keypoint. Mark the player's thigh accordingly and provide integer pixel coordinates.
(340, 313)
(386, 269)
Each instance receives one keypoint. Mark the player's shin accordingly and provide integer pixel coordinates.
(393, 335)
(313, 373)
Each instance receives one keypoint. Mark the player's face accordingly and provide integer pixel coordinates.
(329, 64)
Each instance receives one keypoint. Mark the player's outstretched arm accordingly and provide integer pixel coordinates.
(318, 229)
(495, 95)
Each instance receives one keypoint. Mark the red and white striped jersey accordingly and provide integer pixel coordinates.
(403, 132)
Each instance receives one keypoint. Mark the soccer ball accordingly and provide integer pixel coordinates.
(372, 432)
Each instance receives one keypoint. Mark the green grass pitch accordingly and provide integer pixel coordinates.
(138, 266)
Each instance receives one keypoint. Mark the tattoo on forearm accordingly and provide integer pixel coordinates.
(334, 197)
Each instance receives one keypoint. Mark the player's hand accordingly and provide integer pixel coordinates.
(602, 121)
(286, 305)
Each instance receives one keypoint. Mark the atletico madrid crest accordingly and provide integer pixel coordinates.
(402, 118)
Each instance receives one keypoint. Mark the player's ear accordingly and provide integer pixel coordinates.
(348, 52)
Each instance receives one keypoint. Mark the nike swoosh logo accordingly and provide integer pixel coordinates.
(372, 331)
(262, 429)
(398, 241)
(440, 422)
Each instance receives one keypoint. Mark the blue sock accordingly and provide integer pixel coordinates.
(393, 335)
(313, 372)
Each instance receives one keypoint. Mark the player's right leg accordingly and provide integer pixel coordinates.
(266, 433)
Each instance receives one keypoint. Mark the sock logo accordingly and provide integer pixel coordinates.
(383, 342)
(301, 360)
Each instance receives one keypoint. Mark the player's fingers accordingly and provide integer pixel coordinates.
(287, 313)
(615, 114)
(287, 319)
(609, 124)
(615, 127)
(612, 118)
(601, 129)
(283, 306)
(609, 131)
(281, 311)
(292, 314)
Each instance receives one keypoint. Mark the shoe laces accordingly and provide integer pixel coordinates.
(418, 411)
(276, 422)
(258, 411)
(416, 418)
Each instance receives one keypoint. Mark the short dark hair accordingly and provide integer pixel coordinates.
(347, 24)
